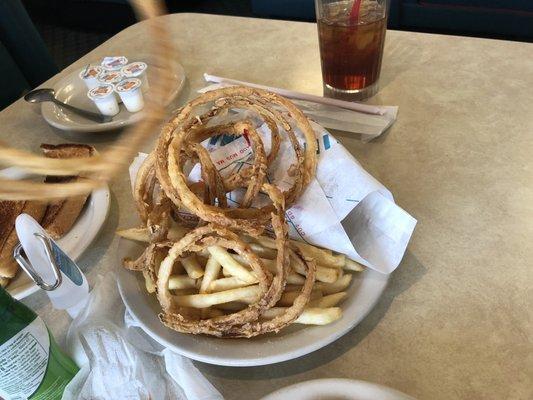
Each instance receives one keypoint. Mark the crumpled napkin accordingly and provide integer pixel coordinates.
(119, 361)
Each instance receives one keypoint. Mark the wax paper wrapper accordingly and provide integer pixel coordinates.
(343, 208)
(365, 126)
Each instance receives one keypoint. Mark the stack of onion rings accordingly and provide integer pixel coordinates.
(163, 192)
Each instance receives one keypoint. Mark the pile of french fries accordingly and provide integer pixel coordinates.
(217, 281)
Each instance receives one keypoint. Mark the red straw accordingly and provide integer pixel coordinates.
(354, 14)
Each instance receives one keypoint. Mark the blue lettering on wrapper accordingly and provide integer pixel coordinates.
(325, 139)
(224, 139)
(66, 265)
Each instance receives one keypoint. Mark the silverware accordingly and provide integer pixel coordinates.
(41, 95)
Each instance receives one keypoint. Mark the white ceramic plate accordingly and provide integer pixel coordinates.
(75, 242)
(292, 342)
(72, 90)
(337, 389)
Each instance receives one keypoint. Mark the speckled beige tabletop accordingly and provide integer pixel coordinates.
(456, 320)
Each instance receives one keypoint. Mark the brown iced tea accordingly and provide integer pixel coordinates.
(351, 50)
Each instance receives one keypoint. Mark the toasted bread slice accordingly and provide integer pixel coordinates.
(61, 214)
(67, 150)
(8, 265)
(9, 210)
(54, 207)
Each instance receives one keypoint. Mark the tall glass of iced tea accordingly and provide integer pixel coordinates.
(351, 35)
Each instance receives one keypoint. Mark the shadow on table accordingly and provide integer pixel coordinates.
(89, 138)
(409, 272)
(91, 259)
(398, 59)
(352, 135)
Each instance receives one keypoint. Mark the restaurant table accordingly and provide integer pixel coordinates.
(456, 318)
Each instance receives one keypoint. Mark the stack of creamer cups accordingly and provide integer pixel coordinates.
(116, 81)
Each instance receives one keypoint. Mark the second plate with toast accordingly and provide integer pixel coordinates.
(73, 223)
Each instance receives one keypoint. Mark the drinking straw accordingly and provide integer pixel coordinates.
(354, 13)
(349, 105)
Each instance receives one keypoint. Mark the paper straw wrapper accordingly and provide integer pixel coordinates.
(364, 108)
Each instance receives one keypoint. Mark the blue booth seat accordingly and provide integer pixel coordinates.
(501, 18)
(498, 18)
(24, 59)
(288, 9)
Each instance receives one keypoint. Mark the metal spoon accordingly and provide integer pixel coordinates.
(40, 95)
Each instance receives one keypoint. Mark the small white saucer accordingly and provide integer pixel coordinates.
(337, 389)
(72, 90)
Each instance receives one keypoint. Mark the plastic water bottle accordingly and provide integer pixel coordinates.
(31, 364)
(52, 269)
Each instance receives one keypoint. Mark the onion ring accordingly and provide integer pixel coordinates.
(173, 143)
(236, 324)
(198, 240)
(256, 328)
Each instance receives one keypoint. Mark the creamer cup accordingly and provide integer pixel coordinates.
(130, 92)
(114, 63)
(89, 75)
(137, 69)
(105, 99)
(110, 77)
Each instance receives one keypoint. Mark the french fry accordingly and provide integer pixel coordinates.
(137, 234)
(288, 298)
(192, 267)
(352, 265)
(212, 270)
(330, 300)
(211, 299)
(230, 264)
(265, 241)
(206, 295)
(176, 282)
(335, 287)
(323, 274)
(321, 256)
(310, 316)
(319, 316)
(263, 252)
(295, 279)
(270, 265)
(204, 253)
(222, 284)
(142, 234)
